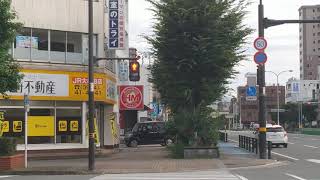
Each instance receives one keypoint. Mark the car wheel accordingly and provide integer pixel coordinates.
(285, 145)
(133, 143)
(169, 141)
(277, 145)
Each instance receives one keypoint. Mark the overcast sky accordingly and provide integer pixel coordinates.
(283, 40)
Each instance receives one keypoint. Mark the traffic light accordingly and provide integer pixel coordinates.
(134, 71)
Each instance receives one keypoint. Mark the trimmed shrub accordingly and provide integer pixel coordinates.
(8, 146)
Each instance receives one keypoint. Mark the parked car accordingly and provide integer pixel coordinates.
(145, 133)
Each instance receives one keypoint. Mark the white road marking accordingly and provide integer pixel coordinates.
(294, 176)
(205, 175)
(314, 160)
(315, 139)
(290, 143)
(241, 177)
(311, 146)
(5, 176)
(285, 156)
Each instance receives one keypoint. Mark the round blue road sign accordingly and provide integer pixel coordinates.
(260, 57)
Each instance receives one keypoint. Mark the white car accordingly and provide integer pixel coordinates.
(277, 135)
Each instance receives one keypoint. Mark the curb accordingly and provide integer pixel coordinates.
(51, 172)
(269, 165)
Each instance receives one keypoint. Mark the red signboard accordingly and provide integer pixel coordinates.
(131, 98)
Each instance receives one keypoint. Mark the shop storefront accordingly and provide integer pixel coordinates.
(58, 108)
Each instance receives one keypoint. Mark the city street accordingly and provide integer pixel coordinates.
(302, 157)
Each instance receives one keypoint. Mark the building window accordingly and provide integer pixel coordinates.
(314, 50)
(313, 10)
(22, 44)
(58, 46)
(314, 34)
(318, 33)
(314, 42)
(40, 50)
(74, 48)
(314, 26)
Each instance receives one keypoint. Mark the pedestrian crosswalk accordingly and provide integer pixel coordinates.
(205, 175)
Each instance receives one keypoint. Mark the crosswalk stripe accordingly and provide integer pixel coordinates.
(223, 175)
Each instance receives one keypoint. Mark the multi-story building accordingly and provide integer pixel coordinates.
(302, 90)
(309, 43)
(248, 108)
(52, 50)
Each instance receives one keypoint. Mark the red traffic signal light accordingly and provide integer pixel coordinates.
(134, 71)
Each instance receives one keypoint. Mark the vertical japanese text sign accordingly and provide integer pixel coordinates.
(116, 24)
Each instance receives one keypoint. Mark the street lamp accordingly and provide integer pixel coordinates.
(278, 104)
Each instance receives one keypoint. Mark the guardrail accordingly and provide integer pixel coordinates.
(252, 145)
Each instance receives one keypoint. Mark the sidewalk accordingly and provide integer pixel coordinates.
(144, 159)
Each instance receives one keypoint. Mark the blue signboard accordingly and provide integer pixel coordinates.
(295, 87)
(251, 93)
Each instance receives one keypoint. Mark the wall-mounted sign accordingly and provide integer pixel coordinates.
(26, 42)
(62, 126)
(41, 126)
(116, 24)
(131, 98)
(64, 85)
(17, 126)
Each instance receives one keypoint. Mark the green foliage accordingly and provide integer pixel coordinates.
(7, 146)
(9, 69)
(196, 43)
(291, 115)
(196, 128)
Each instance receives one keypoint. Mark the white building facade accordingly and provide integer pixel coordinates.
(52, 50)
(302, 90)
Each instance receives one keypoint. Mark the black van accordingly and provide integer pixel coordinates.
(144, 133)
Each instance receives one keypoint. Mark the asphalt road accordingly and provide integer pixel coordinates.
(302, 160)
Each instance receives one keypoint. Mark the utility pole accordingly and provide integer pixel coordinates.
(265, 23)
(261, 84)
(91, 91)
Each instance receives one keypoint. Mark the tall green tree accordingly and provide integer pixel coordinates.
(9, 69)
(197, 44)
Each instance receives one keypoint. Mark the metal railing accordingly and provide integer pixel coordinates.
(252, 145)
(223, 136)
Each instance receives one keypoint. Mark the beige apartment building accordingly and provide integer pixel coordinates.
(309, 43)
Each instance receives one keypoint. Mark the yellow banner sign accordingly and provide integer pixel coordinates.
(17, 126)
(40, 126)
(65, 85)
(78, 86)
(6, 126)
(113, 124)
(62, 126)
(74, 126)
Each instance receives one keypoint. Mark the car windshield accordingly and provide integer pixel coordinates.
(275, 129)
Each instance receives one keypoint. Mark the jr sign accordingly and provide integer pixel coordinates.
(131, 97)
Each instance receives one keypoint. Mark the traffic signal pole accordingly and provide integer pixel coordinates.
(264, 23)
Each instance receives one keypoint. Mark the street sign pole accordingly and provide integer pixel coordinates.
(26, 110)
(261, 84)
(91, 154)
